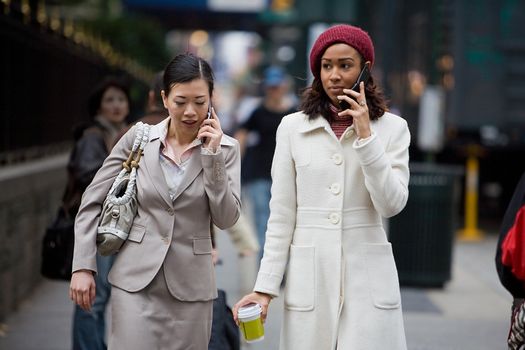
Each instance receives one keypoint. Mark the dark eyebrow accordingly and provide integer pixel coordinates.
(185, 97)
(340, 59)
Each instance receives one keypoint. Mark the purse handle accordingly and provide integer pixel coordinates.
(141, 138)
(132, 163)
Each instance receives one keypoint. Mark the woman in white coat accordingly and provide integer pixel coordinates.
(336, 172)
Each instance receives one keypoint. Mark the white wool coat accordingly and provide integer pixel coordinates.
(325, 229)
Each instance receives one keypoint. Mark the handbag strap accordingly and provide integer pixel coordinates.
(141, 138)
(132, 163)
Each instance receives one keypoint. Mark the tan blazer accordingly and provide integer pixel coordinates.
(173, 234)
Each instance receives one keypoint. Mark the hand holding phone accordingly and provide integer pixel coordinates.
(363, 77)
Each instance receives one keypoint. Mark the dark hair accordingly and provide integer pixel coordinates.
(157, 85)
(96, 96)
(186, 67)
(316, 102)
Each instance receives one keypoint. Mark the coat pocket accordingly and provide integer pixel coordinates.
(299, 292)
(382, 276)
(202, 246)
(136, 234)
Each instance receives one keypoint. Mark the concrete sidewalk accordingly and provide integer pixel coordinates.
(470, 313)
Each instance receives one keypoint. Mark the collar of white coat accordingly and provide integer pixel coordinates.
(157, 131)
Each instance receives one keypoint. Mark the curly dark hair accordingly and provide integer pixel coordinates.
(316, 102)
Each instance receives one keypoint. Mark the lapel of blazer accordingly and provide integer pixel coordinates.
(193, 169)
(153, 167)
(195, 164)
(152, 163)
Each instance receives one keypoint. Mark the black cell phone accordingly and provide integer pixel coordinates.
(363, 77)
(208, 116)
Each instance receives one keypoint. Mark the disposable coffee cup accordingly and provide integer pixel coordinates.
(250, 323)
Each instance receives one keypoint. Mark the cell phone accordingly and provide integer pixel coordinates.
(208, 116)
(363, 77)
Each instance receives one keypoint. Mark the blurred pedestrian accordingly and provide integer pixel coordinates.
(510, 263)
(155, 110)
(336, 172)
(257, 159)
(109, 107)
(189, 177)
(247, 85)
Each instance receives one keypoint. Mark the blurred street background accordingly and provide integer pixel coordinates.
(455, 70)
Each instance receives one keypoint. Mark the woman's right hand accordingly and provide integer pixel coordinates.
(82, 289)
(262, 299)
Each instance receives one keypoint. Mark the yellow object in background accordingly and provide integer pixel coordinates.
(471, 232)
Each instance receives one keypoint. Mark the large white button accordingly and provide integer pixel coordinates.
(334, 218)
(338, 158)
(335, 188)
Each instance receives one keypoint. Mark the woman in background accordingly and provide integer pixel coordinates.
(108, 106)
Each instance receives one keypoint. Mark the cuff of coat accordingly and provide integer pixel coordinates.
(84, 266)
(209, 152)
(268, 283)
(369, 149)
(216, 163)
(363, 141)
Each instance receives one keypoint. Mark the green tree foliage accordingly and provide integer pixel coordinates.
(134, 36)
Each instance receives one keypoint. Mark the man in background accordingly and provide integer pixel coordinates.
(257, 157)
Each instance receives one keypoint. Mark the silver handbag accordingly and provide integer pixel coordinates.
(120, 206)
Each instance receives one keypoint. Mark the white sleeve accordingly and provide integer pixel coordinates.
(281, 223)
(386, 169)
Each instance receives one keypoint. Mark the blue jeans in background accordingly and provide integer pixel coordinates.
(259, 192)
(89, 328)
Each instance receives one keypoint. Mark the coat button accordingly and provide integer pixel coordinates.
(334, 218)
(337, 158)
(166, 240)
(335, 188)
(170, 211)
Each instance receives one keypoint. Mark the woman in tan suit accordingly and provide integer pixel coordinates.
(189, 177)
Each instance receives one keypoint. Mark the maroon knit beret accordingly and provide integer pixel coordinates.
(342, 33)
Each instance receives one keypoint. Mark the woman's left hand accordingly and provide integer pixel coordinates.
(262, 299)
(211, 131)
(358, 110)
